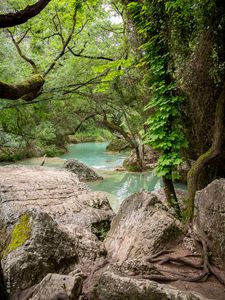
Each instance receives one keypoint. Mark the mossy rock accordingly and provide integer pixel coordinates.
(131, 166)
(20, 234)
(117, 145)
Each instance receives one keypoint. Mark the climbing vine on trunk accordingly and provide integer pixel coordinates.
(165, 130)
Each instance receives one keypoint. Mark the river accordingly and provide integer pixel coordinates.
(117, 184)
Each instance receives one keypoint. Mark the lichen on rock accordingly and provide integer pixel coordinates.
(20, 234)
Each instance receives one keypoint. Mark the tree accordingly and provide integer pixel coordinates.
(22, 16)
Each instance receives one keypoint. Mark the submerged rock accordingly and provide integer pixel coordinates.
(142, 227)
(83, 172)
(209, 219)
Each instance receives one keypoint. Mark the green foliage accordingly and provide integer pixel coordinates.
(165, 130)
(100, 229)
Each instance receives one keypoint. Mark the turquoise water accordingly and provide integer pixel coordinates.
(95, 155)
(117, 184)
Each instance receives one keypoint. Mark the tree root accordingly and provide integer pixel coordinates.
(163, 278)
(208, 268)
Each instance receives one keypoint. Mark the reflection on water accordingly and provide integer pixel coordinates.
(118, 185)
(122, 184)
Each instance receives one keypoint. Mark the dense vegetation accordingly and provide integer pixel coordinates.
(149, 71)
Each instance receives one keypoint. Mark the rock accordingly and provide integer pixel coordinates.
(183, 170)
(114, 286)
(142, 227)
(37, 246)
(181, 197)
(57, 192)
(70, 210)
(150, 159)
(55, 285)
(83, 172)
(117, 145)
(209, 219)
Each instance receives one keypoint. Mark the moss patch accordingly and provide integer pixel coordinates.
(20, 234)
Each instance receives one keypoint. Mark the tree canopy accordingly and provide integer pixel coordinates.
(151, 72)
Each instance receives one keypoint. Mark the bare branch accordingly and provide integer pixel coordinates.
(89, 56)
(66, 43)
(23, 36)
(21, 54)
(22, 16)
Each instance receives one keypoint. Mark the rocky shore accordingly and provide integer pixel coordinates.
(60, 240)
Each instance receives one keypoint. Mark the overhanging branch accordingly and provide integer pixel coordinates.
(22, 16)
(22, 89)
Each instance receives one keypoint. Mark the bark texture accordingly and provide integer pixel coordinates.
(28, 87)
(215, 150)
(22, 16)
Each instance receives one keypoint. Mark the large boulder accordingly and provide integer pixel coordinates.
(66, 223)
(54, 286)
(37, 247)
(209, 218)
(83, 172)
(142, 227)
(114, 286)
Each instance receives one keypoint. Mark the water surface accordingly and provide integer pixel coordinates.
(117, 184)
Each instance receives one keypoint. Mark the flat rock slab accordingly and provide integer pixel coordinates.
(56, 191)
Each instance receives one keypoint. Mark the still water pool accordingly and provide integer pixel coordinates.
(117, 184)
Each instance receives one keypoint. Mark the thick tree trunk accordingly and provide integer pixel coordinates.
(139, 159)
(193, 174)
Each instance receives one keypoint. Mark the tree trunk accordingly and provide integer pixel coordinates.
(171, 196)
(193, 174)
(139, 159)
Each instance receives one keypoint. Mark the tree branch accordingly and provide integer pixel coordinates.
(89, 56)
(21, 54)
(65, 44)
(15, 92)
(22, 16)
